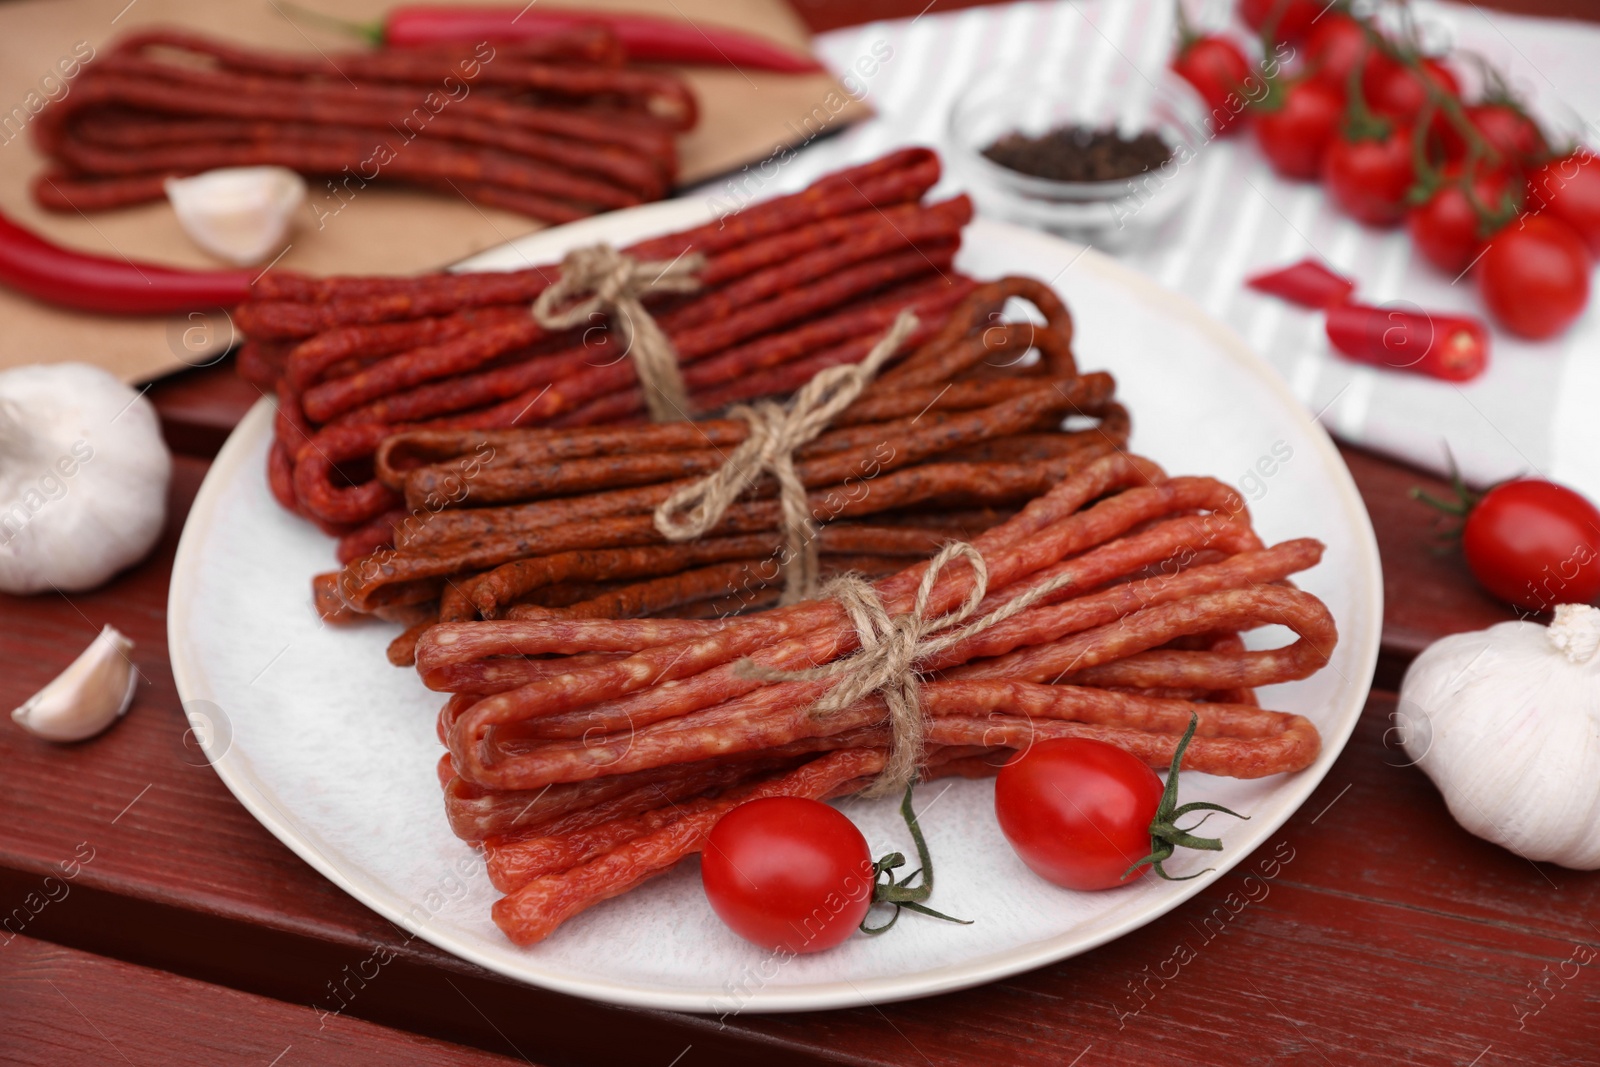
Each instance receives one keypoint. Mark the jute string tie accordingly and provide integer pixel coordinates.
(776, 432)
(599, 280)
(891, 645)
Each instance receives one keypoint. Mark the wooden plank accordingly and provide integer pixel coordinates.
(1390, 837)
(1293, 977)
(1428, 591)
(65, 1006)
(200, 407)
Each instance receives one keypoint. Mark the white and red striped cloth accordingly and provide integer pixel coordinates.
(1537, 409)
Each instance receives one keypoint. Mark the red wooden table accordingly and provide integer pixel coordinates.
(187, 933)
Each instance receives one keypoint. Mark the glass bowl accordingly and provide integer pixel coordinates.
(1109, 214)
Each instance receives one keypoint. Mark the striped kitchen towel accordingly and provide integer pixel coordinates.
(1536, 411)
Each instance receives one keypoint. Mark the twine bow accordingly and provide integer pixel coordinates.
(891, 645)
(599, 280)
(776, 432)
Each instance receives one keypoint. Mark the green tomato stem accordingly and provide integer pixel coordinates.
(902, 894)
(371, 32)
(1166, 836)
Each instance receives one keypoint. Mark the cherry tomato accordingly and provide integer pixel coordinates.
(1295, 17)
(1218, 71)
(788, 873)
(1569, 189)
(1535, 544)
(1534, 276)
(1509, 131)
(1448, 230)
(1294, 135)
(1078, 811)
(1398, 91)
(1378, 69)
(1368, 178)
(1335, 45)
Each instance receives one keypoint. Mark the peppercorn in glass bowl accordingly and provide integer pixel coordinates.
(1106, 161)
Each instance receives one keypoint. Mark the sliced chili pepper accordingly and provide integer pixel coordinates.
(1452, 347)
(56, 275)
(644, 38)
(1308, 283)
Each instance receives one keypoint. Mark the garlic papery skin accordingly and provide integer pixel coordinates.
(83, 477)
(90, 695)
(1506, 721)
(240, 214)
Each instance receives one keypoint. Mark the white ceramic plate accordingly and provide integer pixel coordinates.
(334, 750)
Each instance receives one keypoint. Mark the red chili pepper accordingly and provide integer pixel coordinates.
(646, 38)
(1307, 282)
(1452, 347)
(56, 275)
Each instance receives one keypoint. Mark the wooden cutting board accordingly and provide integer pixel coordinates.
(746, 116)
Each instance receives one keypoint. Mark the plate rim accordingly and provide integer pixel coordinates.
(236, 774)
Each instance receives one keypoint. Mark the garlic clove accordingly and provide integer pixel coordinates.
(241, 214)
(87, 697)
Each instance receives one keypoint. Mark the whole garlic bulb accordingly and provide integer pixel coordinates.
(83, 477)
(1506, 721)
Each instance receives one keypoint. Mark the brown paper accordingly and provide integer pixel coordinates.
(745, 116)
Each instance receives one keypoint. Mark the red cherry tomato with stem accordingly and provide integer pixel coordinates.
(1535, 544)
(1534, 276)
(1569, 189)
(794, 875)
(1078, 811)
(1369, 176)
(1336, 45)
(1218, 70)
(1295, 125)
(1529, 542)
(1401, 91)
(1505, 128)
(788, 873)
(1500, 122)
(1084, 814)
(1452, 226)
(1378, 68)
